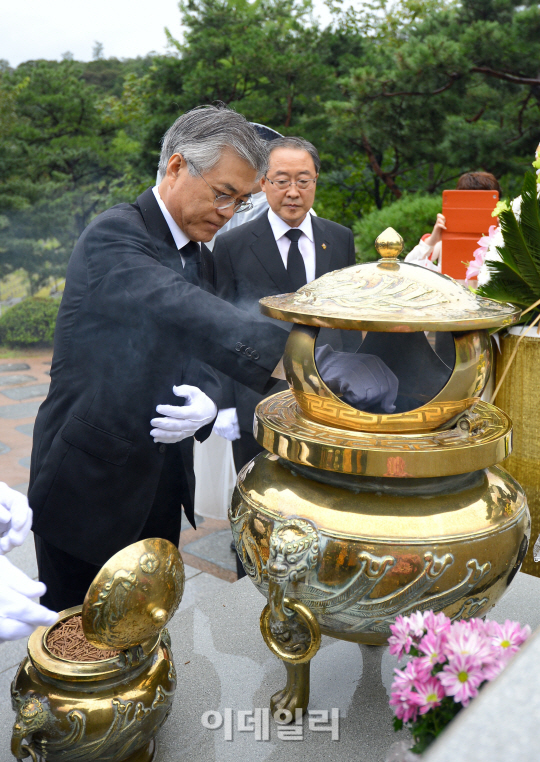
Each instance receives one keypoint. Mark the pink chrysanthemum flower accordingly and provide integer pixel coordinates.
(461, 678)
(493, 668)
(478, 625)
(433, 647)
(465, 640)
(428, 695)
(416, 624)
(404, 706)
(508, 637)
(437, 623)
(400, 641)
(410, 677)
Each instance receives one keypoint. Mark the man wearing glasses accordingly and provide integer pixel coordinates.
(112, 458)
(277, 253)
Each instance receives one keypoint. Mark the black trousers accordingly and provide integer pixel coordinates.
(68, 578)
(244, 450)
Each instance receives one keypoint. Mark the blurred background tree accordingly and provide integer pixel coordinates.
(63, 155)
(400, 97)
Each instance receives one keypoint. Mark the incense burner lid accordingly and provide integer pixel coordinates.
(388, 295)
(134, 595)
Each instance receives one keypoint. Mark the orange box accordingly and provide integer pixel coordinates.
(468, 217)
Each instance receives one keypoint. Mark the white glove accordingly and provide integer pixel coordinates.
(15, 518)
(226, 424)
(183, 422)
(19, 616)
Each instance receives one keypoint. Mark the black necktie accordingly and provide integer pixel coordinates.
(295, 262)
(191, 254)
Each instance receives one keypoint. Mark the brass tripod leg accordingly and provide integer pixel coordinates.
(294, 636)
(295, 695)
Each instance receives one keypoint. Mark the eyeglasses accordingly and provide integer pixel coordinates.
(222, 201)
(302, 184)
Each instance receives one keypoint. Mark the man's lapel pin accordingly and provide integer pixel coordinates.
(324, 246)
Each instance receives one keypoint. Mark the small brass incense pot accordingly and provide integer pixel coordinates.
(108, 710)
(353, 517)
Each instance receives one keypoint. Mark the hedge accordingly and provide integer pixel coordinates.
(412, 216)
(29, 323)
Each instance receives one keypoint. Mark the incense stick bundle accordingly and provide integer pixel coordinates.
(67, 640)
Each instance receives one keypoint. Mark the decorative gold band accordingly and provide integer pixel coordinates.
(281, 429)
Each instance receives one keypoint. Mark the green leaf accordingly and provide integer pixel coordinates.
(514, 242)
(530, 217)
(506, 286)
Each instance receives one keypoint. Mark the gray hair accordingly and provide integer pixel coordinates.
(300, 145)
(202, 134)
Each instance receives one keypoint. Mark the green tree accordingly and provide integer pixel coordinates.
(62, 156)
(444, 88)
(270, 60)
(261, 57)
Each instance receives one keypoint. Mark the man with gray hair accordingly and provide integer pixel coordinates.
(133, 336)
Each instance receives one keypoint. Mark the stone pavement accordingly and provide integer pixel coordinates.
(23, 386)
(210, 564)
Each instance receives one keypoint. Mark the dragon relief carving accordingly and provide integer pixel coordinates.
(36, 722)
(247, 549)
(294, 546)
(111, 604)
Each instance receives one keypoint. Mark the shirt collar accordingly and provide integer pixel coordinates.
(280, 227)
(180, 238)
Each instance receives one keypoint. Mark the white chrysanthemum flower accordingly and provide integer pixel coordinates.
(483, 275)
(516, 206)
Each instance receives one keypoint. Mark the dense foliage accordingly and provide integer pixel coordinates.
(412, 215)
(400, 97)
(29, 323)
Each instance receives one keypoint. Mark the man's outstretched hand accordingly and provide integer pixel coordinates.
(181, 422)
(362, 381)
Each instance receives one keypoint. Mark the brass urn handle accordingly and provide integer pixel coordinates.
(296, 640)
(27, 751)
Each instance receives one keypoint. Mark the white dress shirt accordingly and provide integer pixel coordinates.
(426, 255)
(306, 242)
(180, 238)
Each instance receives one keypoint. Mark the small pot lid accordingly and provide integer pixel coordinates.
(134, 595)
(389, 295)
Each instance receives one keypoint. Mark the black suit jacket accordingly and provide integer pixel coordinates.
(248, 266)
(129, 328)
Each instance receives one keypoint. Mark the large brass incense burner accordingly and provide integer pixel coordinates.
(353, 517)
(108, 710)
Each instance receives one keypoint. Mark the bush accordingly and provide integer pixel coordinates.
(411, 216)
(29, 323)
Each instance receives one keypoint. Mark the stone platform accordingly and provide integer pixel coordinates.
(225, 668)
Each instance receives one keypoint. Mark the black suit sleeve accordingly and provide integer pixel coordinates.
(351, 339)
(224, 277)
(125, 277)
(351, 254)
(225, 288)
